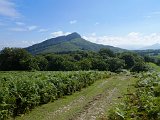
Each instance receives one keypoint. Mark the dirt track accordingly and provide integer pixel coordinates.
(89, 104)
(96, 108)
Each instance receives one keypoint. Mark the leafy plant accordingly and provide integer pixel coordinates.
(23, 91)
(143, 104)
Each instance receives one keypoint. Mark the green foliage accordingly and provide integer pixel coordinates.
(115, 64)
(99, 64)
(42, 62)
(133, 61)
(149, 59)
(15, 59)
(29, 64)
(85, 64)
(105, 59)
(139, 66)
(129, 59)
(150, 56)
(144, 103)
(70, 66)
(56, 63)
(105, 53)
(153, 67)
(22, 91)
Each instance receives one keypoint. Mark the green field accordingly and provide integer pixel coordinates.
(22, 91)
(93, 101)
(80, 95)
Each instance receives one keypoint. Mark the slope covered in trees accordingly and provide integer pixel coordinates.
(104, 60)
(71, 42)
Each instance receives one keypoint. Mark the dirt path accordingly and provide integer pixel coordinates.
(65, 109)
(96, 108)
(89, 104)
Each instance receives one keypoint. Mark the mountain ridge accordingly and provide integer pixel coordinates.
(155, 46)
(68, 43)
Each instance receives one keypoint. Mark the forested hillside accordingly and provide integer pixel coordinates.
(71, 42)
(103, 60)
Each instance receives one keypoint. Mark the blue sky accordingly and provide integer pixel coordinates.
(128, 24)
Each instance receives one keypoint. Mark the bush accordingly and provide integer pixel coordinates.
(143, 104)
(22, 91)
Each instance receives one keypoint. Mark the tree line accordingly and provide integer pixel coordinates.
(150, 55)
(13, 59)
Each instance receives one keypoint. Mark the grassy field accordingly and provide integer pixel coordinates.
(154, 67)
(90, 103)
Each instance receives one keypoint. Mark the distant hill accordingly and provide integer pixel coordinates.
(69, 43)
(153, 47)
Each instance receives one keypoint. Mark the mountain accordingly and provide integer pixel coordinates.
(153, 47)
(71, 42)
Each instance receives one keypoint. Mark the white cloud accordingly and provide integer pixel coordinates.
(59, 33)
(133, 34)
(132, 40)
(43, 30)
(20, 23)
(93, 34)
(15, 43)
(8, 8)
(27, 43)
(30, 28)
(73, 22)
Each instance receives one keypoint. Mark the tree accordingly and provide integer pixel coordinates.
(55, 62)
(29, 64)
(105, 53)
(77, 57)
(99, 64)
(70, 66)
(158, 61)
(129, 59)
(149, 59)
(42, 62)
(85, 64)
(13, 59)
(134, 62)
(139, 66)
(115, 64)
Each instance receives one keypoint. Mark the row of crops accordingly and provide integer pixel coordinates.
(22, 91)
(144, 103)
